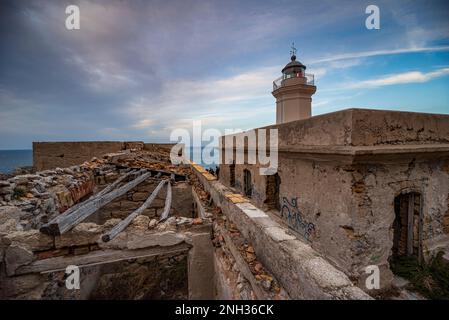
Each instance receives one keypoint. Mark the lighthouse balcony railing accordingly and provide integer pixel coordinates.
(310, 79)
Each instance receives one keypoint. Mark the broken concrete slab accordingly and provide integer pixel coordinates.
(163, 239)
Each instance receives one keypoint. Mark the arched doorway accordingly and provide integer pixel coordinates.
(407, 226)
(272, 191)
(247, 183)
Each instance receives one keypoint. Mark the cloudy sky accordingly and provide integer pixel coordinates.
(136, 70)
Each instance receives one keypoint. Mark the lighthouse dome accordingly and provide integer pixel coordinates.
(293, 67)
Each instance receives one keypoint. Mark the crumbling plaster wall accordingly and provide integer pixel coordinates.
(346, 211)
(351, 208)
(301, 270)
(374, 188)
(345, 201)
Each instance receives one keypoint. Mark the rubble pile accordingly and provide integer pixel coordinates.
(237, 250)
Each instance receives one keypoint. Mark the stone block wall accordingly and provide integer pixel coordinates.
(158, 146)
(50, 155)
(182, 202)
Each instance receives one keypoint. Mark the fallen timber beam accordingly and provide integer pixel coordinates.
(167, 206)
(69, 211)
(97, 257)
(61, 225)
(119, 227)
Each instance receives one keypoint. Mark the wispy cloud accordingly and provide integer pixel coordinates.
(373, 53)
(221, 103)
(401, 78)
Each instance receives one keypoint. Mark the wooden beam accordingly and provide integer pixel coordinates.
(61, 225)
(97, 257)
(167, 206)
(119, 227)
(420, 228)
(410, 223)
(46, 228)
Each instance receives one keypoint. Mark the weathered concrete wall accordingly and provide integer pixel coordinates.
(375, 127)
(346, 211)
(301, 270)
(374, 188)
(341, 198)
(363, 127)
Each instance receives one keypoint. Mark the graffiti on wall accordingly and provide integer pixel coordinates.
(295, 220)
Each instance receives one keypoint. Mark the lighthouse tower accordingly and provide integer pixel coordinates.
(293, 92)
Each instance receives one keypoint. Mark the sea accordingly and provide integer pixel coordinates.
(11, 159)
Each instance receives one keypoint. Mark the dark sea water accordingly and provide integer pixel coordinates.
(10, 159)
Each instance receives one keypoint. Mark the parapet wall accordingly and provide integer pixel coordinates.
(300, 270)
(50, 155)
(362, 127)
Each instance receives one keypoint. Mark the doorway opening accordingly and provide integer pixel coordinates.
(232, 175)
(407, 226)
(272, 191)
(247, 184)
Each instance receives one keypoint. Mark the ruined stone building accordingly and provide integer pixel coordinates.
(359, 186)
(352, 189)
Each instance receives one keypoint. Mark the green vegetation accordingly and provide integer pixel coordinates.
(430, 279)
(18, 193)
